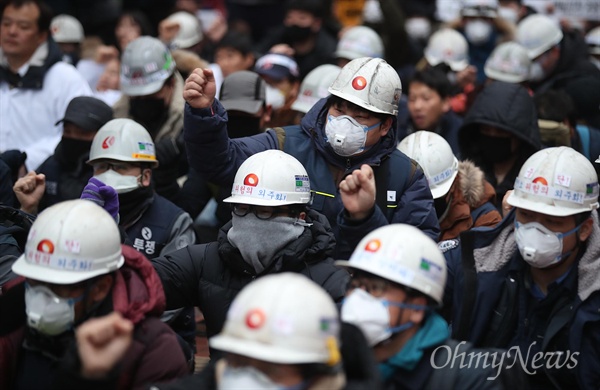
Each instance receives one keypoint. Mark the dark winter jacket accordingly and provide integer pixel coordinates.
(487, 289)
(63, 183)
(209, 276)
(137, 294)
(508, 107)
(408, 200)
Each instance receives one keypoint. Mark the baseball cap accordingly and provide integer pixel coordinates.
(88, 113)
(277, 66)
(243, 91)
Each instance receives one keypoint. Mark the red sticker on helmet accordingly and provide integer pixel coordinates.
(255, 319)
(45, 246)
(108, 142)
(373, 246)
(540, 180)
(359, 83)
(251, 180)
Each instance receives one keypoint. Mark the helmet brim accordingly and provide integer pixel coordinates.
(508, 78)
(142, 90)
(443, 188)
(544, 208)
(260, 201)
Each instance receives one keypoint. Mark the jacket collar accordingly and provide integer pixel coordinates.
(33, 72)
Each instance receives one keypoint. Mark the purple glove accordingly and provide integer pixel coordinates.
(103, 195)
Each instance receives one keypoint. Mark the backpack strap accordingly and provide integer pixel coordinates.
(584, 136)
(399, 180)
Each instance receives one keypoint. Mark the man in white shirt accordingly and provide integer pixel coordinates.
(35, 85)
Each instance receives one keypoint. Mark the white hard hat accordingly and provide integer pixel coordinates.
(480, 8)
(190, 30)
(314, 86)
(145, 66)
(402, 254)
(359, 41)
(593, 41)
(450, 47)
(370, 83)
(70, 242)
(556, 181)
(538, 33)
(123, 139)
(270, 178)
(66, 29)
(434, 155)
(284, 318)
(509, 62)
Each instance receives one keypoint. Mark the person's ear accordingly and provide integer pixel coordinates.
(302, 216)
(316, 25)
(146, 177)
(386, 126)
(446, 104)
(586, 229)
(101, 288)
(417, 316)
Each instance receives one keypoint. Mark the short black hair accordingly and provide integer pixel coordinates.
(314, 7)
(556, 106)
(236, 40)
(333, 100)
(46, 13)
(434, 79)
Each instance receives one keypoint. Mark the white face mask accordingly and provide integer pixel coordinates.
(539, 246)
(46, 312)
(372, 316)
(274, 97)
(536, 72)
(121, 183)
(508, 13)
(244, 378)
(478, 31)
(418, 28)
(346, 136)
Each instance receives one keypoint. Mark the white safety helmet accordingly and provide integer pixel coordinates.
(593, 41)
(314, 86)
(359, 41)
(434, 155)
(123, 139)
(538, 33)
(556, 181)
(145, 66)
(480, 8)
(270, 178)
(66, 29)
(284, 318)
(448, 46)
(402, 254)
(190, 30)
(509, 62)
(70, 242)
(370, 83)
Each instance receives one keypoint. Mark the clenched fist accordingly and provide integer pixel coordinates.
(358, 192)
(200, 88)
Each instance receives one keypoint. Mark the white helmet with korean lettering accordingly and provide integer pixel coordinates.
(448, 46)
(434, 155)
(61, 250)
(123, 139)
(190, 30)
(556, 181)
(359, 41)
(370, 83)
(145, 66)
(538, 33)
(402, 254)
(314, 86)
(283, 318)
(508, 62)
(270, 178)
(66, 29)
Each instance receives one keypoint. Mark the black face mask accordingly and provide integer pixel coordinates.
(132, 204)
(294, 33)
(150, 113)
(70, 152)
(495, 149)
(441, 206)
(242, 126)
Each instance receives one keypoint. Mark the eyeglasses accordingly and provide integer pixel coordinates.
(373, 285)
(261, 212)
(117, 167)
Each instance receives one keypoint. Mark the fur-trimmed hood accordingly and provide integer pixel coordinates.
(499, 253)
(471, 182)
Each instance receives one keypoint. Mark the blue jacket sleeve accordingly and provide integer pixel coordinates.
(209, 149)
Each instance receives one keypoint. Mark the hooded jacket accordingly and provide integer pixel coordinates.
(137, 294)
(216, 157)
(469, 193)
(209, 276)
(492, 257)
(507, 107)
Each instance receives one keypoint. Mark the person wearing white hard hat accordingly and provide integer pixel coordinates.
(74, 269)
(509, 62)
(531, 284)
(356, 42)
(351, 131)
(396, 287)
(592, 39)
(272, 230)
(67, 31)
(558, 57)
(181, 30)
(314, 87)
(32, 75)
(462, 197)
(281, 332)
